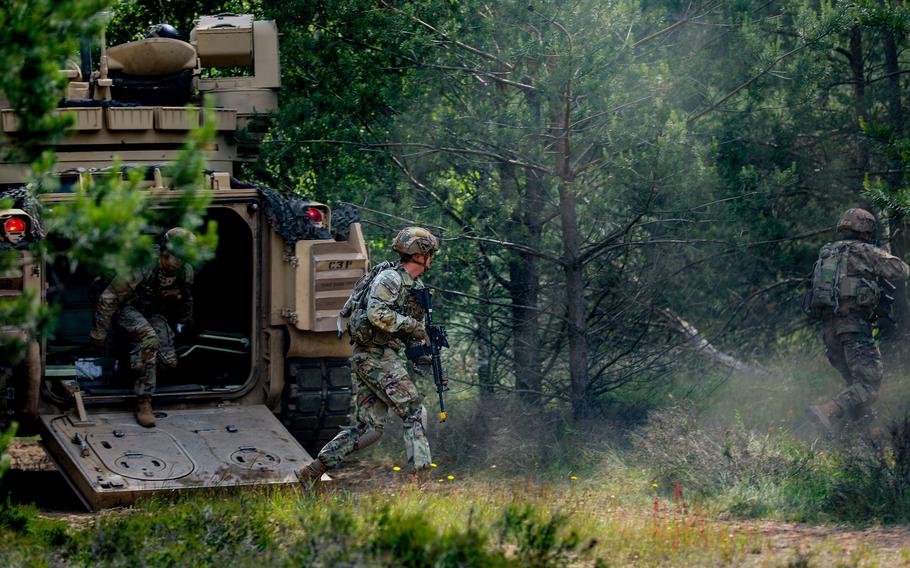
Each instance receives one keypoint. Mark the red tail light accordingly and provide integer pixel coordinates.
(14, 225)
(315, 215)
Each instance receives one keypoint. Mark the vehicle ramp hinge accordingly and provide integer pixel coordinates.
(289, 314)
(292, 259)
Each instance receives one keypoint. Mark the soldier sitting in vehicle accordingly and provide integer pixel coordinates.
(846, 290)
(387, 319)
(144, 305)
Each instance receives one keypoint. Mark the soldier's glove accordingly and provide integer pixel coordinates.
(423, 365)
(419, 335)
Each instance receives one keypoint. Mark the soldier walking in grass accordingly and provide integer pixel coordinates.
(846, 291)
(384, 318)
(144, 305)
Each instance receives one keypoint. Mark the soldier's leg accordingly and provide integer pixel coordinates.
(865, 363)
(404, 400)
(369, 410)
(167, 355)
(365, 431)
(144, 344)
(834, 350)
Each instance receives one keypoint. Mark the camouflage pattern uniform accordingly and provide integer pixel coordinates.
(381, 382)
(142, 304)
(847, 330)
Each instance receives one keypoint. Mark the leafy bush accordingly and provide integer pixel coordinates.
(5, 439)
(745, 473)
(874, 481)
(707, 459)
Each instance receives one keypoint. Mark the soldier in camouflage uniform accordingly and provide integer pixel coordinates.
(143, 305)
(846, 309)
(384, 321)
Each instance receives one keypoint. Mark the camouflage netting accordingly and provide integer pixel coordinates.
(23, 199)
(288, 215)
(343, 217)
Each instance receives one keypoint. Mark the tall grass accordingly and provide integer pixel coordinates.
(459, 524)
(858, 478)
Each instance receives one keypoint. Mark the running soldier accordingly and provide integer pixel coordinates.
(846, 290)
(144, 305)
(386, 319)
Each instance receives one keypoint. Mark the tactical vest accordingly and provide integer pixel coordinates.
(160, 290)
(835, 288)
(361, 330)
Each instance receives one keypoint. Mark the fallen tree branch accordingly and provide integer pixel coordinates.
(696, 342)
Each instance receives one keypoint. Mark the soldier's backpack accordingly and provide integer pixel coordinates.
(359, 326)
(831, 284)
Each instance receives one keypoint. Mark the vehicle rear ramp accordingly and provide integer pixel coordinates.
(109, 460)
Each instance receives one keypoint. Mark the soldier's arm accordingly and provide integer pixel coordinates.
(185, 312)
(117, 292)
(888, 266)
(384, 293)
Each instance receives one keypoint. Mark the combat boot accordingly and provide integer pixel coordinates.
(826, 416)
(309, 476)
(144, 415)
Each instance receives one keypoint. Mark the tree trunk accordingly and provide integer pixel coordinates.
(483, 320)
(527, 340)
(575, 297)
(524, 291)
(858, 76)
(572, 265)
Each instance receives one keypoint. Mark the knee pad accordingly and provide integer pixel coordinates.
(368, 438)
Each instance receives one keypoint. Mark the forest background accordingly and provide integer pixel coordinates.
(630, 196)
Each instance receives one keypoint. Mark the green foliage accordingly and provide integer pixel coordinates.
(875, 483)
(132, 18)
(442, 113)
(541, 541)
(111, 223)
(28, 538)
(5, 439)
(286, 529)
(746, 473)
(36, 37)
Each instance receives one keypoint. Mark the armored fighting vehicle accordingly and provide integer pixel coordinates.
(267, 377)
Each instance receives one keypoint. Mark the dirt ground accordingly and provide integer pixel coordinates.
(29, 455)
(32, 474)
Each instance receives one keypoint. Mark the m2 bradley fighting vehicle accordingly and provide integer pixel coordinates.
(266, 375)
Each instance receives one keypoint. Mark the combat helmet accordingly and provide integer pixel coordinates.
(415, 240)
(163, 30)
(174, 243)
(858, 221)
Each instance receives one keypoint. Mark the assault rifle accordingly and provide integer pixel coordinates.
(885, 307)
(438, 340)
